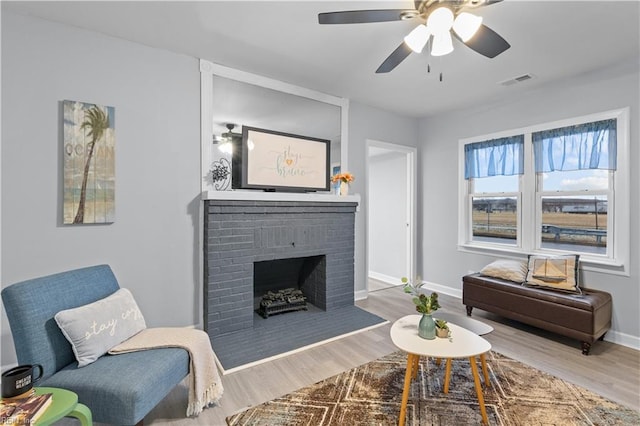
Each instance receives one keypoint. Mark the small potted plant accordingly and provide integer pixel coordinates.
(442, 329)
(425, 304)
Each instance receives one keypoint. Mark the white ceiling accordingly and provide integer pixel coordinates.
(552, 40)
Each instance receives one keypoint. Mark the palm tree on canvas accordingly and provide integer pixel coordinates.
(97, 122)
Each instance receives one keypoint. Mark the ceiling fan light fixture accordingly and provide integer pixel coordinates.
(417, 38)
(442, 44)
(226, 147)
(440, 20)
(466, 25)
(226, 140)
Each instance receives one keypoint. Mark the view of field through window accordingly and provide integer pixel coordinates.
(568, 223)
(495, 219)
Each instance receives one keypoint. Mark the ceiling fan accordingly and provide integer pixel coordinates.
(225, 140)
(438, 18)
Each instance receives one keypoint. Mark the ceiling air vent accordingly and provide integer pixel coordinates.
(514, 80)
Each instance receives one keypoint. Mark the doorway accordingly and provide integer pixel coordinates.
(391, 214)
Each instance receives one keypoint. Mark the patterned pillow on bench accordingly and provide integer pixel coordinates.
(554, 272)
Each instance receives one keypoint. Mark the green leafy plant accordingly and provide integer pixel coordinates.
(442, 324)
(424, 304)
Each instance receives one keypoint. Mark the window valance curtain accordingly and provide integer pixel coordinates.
(495, 157)
(580, 147)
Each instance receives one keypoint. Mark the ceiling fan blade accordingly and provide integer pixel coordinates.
(363, 16)
(393, 60)
(487, 42)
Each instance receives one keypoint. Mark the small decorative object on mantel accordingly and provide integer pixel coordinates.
(344, 179)
(426, 305)
(220, 174)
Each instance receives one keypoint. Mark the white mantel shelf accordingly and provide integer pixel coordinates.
(279, 196)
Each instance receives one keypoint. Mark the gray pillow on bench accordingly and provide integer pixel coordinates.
(506, 269)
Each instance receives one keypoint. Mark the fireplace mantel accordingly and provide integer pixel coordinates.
(248, 195)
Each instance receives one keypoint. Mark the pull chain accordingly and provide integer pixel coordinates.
(441, 75)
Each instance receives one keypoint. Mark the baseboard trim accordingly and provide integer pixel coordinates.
(361, 294)
(439, 288)
(384, 278)
(623, 339)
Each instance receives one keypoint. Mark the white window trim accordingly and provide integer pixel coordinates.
(620, 223)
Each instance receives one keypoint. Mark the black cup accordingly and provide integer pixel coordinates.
(19, 380)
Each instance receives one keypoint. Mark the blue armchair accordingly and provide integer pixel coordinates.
(119, 389)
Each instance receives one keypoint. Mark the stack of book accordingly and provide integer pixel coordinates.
(24, 410)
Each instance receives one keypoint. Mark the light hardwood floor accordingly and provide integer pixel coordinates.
(610, 370)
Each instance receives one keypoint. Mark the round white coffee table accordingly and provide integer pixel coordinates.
(462, 344)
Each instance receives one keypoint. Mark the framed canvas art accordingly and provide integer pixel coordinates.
(89, 163)
(277, 161)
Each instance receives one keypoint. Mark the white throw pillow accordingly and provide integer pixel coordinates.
(95, 328)
(506, 269)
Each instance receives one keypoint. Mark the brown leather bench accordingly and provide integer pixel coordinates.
(585, 317)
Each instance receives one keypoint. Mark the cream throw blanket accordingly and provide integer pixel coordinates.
(205, 387)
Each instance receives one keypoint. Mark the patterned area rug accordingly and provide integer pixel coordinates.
(371, 395)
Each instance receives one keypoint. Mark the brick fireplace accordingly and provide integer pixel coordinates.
(242, 237)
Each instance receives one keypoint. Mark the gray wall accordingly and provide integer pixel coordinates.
(365, 123)
(388, 216)
(152, 246)
(439, 135)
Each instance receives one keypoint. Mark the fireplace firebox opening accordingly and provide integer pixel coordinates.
(286, 285)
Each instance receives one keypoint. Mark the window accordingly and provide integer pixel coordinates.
(558, 188)
(492, 168)
(574, 168)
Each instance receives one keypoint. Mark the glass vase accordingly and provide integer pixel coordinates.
(427, 327)
(344, 188)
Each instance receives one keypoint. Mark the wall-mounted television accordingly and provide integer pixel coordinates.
(276, 161)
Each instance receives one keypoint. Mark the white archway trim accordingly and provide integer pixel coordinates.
(209, 69)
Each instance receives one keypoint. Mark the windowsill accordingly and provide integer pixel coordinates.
(588, 263)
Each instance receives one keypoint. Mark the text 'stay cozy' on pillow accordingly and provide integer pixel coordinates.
(95, 328)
